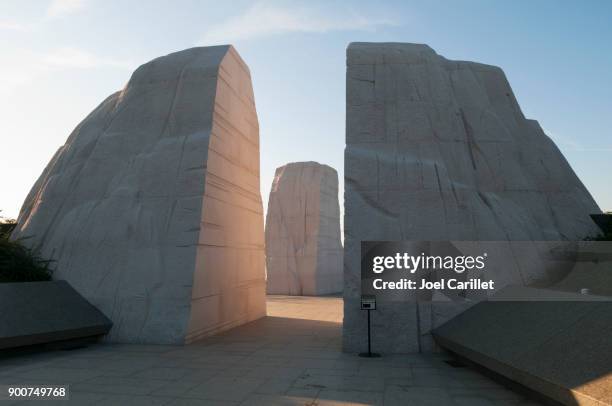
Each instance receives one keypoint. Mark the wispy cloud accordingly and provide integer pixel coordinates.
(570, 144)
(60, 8)
(14, 26)
(27, 66)
(80, 59)
(56, 8)
(263, 20)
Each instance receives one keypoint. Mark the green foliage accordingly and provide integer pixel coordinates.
(601, 237)
(6, 229)
(604, 222)
(18, 263)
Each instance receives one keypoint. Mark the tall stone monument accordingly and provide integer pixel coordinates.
(152, 209)
(439, 150)
(303, 248)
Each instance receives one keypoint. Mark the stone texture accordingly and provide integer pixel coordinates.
(565, 354)
(292, 357)
(303, 248)
(152, 208)
(46, 312)
(440, 150)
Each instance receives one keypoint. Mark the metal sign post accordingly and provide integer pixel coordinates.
(368, 302)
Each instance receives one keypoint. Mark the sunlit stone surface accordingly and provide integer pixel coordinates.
(152, 208)
(303, 249)
(440, 150)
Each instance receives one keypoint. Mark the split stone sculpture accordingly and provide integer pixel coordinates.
(303, 248)
(439, 150)
(152, 209)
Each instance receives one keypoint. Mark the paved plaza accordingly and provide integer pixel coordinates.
(291, 357)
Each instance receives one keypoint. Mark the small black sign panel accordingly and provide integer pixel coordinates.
(368, 302)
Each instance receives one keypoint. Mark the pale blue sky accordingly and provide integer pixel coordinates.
(61, 58)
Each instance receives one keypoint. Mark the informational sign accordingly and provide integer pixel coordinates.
(368, 302)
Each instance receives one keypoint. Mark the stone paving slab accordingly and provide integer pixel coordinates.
(547, 346)
(291, 357)
(46, 312)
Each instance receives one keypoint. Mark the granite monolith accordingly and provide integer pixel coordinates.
(439, 150)
(152, 209)
(303, 248)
